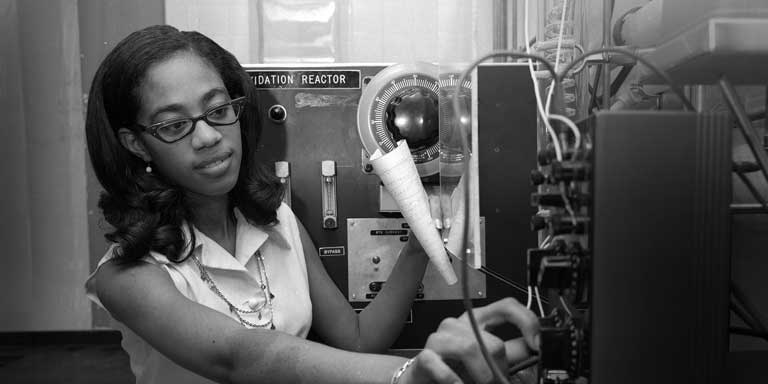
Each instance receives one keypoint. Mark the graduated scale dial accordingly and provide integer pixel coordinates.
(402, 102)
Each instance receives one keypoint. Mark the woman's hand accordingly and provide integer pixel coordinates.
(454, 345)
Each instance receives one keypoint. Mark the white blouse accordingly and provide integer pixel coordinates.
(239, 280)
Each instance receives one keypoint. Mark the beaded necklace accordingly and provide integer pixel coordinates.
(253, 307)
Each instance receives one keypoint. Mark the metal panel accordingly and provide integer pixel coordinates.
(321, 124)
(374, 245)
(662, 187)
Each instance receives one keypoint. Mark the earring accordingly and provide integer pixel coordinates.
(148, 168)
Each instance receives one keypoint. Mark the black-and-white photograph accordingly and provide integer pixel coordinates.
(384, 192)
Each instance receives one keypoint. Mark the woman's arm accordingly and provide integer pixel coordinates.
(376, 327)
(143, 297)
(207, 342)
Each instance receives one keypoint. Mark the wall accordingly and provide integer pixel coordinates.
(44, 226)
(103, 23)
(50, 224)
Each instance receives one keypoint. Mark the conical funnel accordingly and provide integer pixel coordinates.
(398, 173)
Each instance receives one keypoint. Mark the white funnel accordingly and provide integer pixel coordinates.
(398, 173)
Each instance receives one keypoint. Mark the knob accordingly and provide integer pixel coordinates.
(537, 177)
(277, 113)
(413, 116)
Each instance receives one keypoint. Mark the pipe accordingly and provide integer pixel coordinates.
(639, 26)
(607, 10)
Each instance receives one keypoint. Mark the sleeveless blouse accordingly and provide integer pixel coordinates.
(238, 278)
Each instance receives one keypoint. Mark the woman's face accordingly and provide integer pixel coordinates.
(207, 161)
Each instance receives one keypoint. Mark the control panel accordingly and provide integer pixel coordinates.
(632, 264)
(380, 238)
(322, 123)
(559, 268)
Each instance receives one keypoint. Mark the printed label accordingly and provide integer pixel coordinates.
(301, 79)
(389, 232)
(331, 251)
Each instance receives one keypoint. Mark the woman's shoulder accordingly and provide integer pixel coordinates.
(113, 265)
(112, 272)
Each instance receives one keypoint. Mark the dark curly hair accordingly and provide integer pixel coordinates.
(146, 210)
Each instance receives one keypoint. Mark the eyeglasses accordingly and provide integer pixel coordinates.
(173, 130)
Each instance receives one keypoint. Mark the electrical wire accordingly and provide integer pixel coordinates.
(557, 55)
(620, 78)
(499, 277)
(497, 374)
(615, 84)
(658, 72)
(457, 109)
(530, 297)
(539, 106)
(574, 130)
(545, 241)
(555, 140)
(527, 363)
(567, 203)
(593, 91)
(577, 138)
(538, 300)
(565, 306)
(544, 111)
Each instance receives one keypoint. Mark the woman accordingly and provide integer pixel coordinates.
(210, 277)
